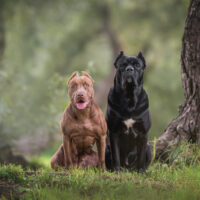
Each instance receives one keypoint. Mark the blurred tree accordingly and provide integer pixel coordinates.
(2, 47)
(187, 125)
(47, 40)
(2, 29)
(103, 87)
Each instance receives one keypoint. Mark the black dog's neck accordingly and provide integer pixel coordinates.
(130, 99)
(130, 91)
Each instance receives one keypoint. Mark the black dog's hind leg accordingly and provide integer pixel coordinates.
(148, 156)
(114, 142)
(133, 159)
(141, 154)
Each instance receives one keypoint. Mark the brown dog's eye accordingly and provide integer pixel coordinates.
(74, 86)
(86, 85)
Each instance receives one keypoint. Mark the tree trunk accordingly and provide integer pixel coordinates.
(187, 125)
(104, 86)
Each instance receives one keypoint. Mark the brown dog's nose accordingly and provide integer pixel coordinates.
(80, 94)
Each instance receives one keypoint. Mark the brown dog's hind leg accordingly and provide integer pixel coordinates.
(58, 158)
(85, 161)
(89, 160)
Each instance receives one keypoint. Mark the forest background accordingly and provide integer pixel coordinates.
(43, 42)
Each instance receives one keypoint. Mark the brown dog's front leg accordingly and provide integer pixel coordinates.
(101, 145)
(67, 151)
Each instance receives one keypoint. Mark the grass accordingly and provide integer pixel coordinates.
(180, 179)
(160, 182)
(44, 157)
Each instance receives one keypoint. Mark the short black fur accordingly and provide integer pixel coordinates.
(128, 116)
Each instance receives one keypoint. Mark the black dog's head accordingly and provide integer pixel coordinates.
(130, 70)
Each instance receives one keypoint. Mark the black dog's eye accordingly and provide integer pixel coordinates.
(124, 64)
(122, 68)
(137, 65)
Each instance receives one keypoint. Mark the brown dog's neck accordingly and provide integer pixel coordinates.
(81, 114)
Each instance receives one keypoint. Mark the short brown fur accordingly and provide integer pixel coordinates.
(81, 129)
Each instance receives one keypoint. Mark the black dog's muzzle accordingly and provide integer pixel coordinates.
(129, 68)
(130, 75)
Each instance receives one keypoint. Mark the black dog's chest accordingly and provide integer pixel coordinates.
(128, 128)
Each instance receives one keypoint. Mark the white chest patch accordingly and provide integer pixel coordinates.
(129, 123)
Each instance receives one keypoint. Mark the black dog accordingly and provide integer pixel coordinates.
(128, 117)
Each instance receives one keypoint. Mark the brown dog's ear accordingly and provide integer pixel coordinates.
(87, 75)
(72, 76)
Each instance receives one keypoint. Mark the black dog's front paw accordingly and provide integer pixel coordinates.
(141, 170)
(117, 169)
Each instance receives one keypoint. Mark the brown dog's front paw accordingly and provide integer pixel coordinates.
(102, 166)
(68, 166)
(73, 166)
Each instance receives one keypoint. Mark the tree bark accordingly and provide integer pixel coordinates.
(186, 126)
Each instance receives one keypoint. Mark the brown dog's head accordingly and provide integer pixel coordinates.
(80, 90)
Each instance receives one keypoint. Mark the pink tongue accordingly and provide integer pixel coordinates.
(81, 106)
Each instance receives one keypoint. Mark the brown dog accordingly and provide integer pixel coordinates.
(82, 125)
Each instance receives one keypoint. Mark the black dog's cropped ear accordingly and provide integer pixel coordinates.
(118, 57)
(140, 56)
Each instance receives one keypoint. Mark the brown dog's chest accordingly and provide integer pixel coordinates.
(84, 128)
(82, 144)
(83, 135)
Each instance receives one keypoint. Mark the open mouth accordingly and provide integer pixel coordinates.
(81, 104)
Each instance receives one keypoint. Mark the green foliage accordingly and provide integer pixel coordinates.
(11, 173)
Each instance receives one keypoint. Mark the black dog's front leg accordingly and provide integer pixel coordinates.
(114, 142)
(141, 154)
